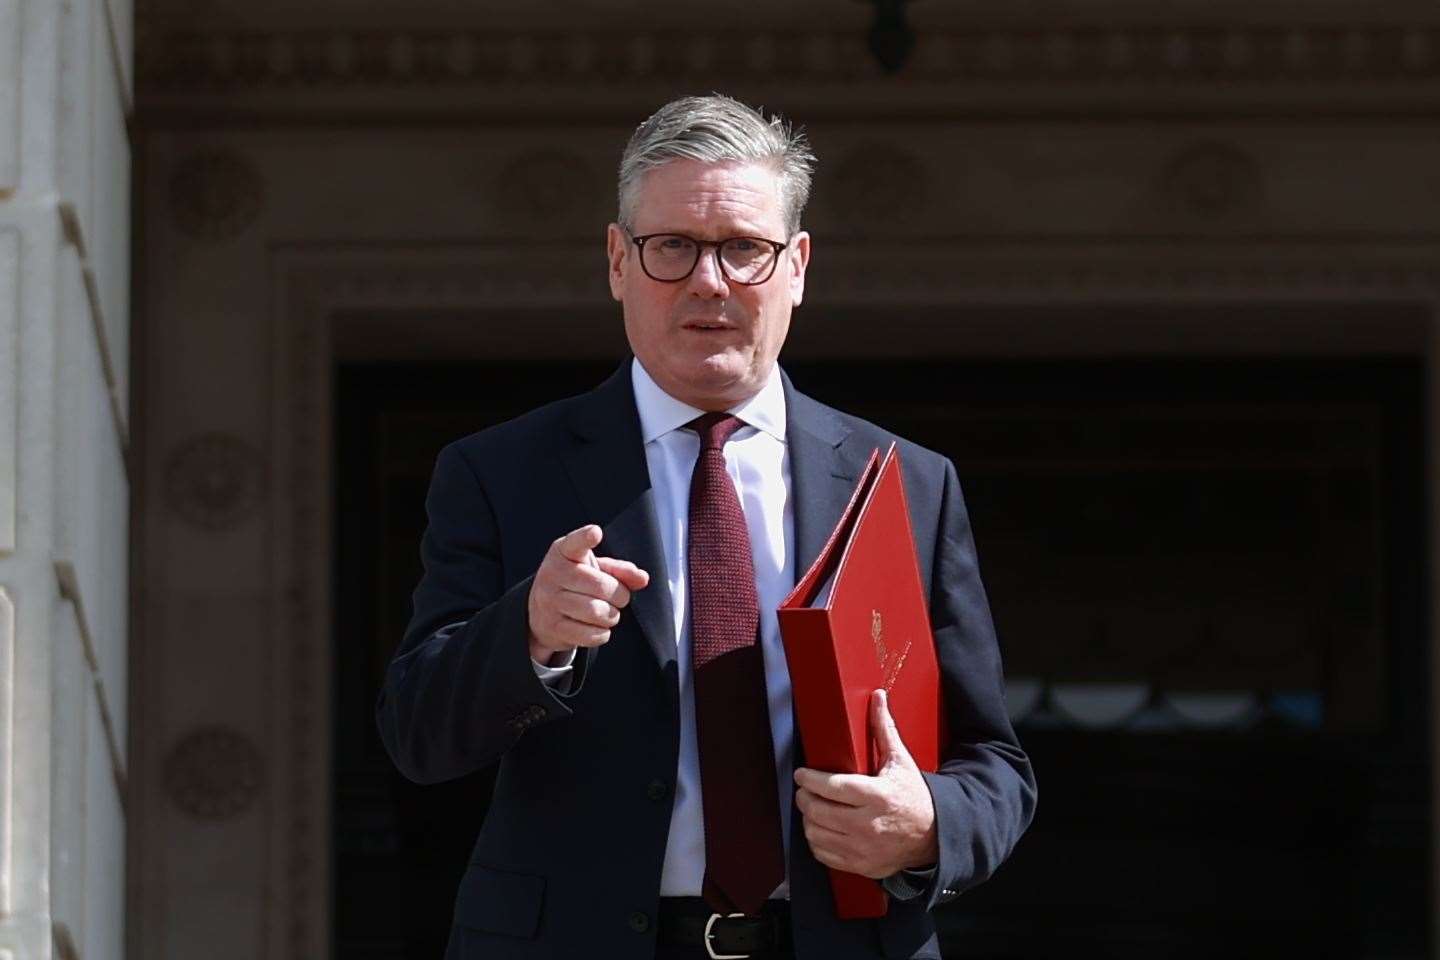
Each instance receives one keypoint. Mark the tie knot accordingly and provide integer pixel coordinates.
(715, 429)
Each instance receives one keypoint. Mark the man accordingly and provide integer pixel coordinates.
(597, 613)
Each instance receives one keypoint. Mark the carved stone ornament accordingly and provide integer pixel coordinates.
(213, 773)
(215, 195)
(214, 480)
(877, 183)
(182, 59)
(539, 187)
(1212, 180)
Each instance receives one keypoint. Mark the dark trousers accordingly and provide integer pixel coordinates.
(664, 952)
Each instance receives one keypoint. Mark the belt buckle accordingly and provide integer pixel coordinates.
(709, 936)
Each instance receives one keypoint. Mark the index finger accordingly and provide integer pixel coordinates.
(854, 789)
(577, 544)
(595, 582)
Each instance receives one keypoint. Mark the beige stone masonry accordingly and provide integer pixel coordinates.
(64, 484)
(9, 95)
(9, 381)
(7, 747)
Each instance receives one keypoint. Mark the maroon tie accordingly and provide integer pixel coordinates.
(744, 855)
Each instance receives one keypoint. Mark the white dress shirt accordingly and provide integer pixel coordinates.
(758, 463)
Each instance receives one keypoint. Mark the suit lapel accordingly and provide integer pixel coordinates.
(823, 472)
(607, 467)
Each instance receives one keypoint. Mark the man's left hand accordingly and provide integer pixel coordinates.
(873, 826)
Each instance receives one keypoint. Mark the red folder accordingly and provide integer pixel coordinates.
(856, 622)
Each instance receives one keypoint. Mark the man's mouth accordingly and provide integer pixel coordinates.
(708, 325)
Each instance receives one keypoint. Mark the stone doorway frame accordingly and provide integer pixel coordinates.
(315, 288)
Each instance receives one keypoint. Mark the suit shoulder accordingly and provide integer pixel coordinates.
(524, 434)
(864, 432)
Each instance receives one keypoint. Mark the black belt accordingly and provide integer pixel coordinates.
(689, 922)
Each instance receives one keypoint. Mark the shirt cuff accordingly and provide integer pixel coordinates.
(555, 677)
(908, 884)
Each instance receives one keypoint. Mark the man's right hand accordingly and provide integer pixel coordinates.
(576, 597)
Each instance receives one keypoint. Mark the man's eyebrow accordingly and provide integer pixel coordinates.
(713, 235)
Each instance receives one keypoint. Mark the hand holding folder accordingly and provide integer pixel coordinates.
(858, 622)
(874, 825)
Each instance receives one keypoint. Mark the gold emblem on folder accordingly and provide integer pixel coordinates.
(890, 660)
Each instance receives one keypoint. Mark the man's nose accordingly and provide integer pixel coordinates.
(707, 280)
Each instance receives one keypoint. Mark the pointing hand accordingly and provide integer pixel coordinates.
(576, 597)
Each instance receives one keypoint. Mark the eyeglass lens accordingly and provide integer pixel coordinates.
(744, 260)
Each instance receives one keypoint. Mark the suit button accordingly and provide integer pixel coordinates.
(639, 922)
(657, 790)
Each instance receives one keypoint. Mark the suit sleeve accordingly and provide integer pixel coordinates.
(461, 689)
(984, 790)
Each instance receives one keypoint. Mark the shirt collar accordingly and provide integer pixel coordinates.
(660, 413)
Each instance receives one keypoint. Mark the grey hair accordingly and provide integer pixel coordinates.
(715, 129)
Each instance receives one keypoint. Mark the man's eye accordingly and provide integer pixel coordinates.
(743, 245)
(674, 243)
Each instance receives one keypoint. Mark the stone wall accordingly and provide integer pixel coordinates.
(66, 95)
(400, 183)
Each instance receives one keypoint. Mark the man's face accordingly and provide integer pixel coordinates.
(707, 341)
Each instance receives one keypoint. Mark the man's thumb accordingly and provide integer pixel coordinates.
(889, 747)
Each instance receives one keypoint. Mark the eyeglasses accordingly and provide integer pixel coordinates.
(671, 257)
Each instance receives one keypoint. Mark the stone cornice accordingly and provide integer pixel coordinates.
(1075, 64)
(341, 280)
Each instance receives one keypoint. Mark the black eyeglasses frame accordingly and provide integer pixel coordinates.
(700, 246)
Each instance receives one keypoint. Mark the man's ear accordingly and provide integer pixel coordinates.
(799, 260)
(617, 250)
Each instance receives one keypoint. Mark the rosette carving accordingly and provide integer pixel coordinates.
(213, 773)
(214, 480)
(215, 195)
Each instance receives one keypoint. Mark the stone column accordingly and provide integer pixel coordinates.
(65, 99)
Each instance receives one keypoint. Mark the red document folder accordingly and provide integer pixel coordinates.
(856, 622)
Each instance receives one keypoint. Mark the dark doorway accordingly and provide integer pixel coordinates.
(1208, 579)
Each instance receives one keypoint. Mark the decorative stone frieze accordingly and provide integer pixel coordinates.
(213, 773)
(1083, 52)
(214, 480)
(215, 195)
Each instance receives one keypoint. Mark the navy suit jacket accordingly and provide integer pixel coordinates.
(568, 860)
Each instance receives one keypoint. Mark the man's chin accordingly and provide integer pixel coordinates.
(723, 385)
(711, 381)
(720, 368)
